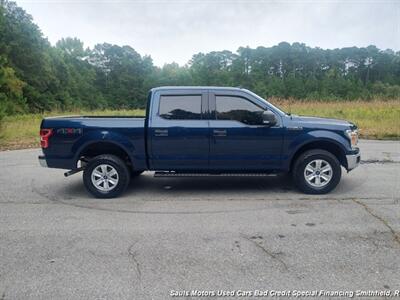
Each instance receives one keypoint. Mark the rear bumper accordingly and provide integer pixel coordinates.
(42, 161)
(353, 160)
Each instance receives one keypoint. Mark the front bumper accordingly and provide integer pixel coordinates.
(42, 161)
(353, 160)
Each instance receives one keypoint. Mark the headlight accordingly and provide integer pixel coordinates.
(353, 137)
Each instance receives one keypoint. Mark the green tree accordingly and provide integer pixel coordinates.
(35, 76)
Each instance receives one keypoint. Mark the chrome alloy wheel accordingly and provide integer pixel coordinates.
(318, 173)
(105, 177)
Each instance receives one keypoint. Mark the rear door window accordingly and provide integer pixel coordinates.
(180, 107)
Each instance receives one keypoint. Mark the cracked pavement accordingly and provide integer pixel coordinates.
(56, 242)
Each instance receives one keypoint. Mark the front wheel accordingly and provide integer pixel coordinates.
(317, 172)
(106, 176)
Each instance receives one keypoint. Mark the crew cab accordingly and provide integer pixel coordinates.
(191, 131)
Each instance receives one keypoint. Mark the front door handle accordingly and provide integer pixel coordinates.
(161, 132)
(219, 132)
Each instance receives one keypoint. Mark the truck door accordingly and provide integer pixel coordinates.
(238, 141)
(179, 130)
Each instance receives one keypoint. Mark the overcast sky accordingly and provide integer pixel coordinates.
(175, 30)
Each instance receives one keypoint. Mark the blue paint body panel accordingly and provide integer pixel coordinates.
(64, 151)
(155, 143)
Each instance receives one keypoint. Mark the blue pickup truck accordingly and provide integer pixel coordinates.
(199, 131)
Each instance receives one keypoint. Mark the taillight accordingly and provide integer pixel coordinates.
(45, 134)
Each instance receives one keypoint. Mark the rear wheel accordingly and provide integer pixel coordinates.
(316, 172)
(106, 176)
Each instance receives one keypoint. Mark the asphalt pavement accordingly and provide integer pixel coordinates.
(166, 236)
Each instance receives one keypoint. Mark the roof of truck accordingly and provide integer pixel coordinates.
(197, 88)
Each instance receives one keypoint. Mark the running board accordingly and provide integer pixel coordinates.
(175, 174)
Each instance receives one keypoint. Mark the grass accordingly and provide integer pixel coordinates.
(376, 119)
(22, 131)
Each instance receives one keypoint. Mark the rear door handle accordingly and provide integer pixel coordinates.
(219, 132)
(161, 132)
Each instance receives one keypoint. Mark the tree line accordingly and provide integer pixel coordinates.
(36, 76)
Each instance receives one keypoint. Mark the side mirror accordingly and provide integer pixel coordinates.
(269, 118)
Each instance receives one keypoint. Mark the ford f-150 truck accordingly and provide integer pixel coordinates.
(192, 131)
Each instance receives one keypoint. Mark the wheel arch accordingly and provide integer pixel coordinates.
(95, 148)
(328, 145)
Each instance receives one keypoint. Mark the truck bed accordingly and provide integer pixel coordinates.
(94, 117)
(73, 133)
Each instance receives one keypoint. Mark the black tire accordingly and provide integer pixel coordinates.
(119, 166)
(136, 173)
(301, 163)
